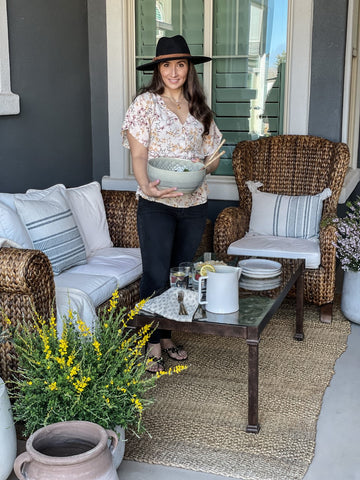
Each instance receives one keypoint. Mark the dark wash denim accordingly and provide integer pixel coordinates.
(168, 236)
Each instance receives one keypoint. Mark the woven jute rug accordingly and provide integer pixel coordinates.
(199, 418)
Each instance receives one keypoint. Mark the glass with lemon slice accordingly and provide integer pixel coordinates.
(200, 270)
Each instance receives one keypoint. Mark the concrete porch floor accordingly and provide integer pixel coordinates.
(337, 452)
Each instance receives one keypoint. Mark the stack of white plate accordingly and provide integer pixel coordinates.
(261, 284)
(259, 274)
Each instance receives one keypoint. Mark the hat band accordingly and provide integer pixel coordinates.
(172, 55)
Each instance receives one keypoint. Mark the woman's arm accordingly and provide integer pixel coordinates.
(139, 155)
(212, 141)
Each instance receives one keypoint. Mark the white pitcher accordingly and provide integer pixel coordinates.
(222, 289)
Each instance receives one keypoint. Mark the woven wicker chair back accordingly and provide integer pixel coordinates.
(291, 165)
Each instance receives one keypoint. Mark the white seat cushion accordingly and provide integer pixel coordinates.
(98, 287)
(85, 287)
(279, 247)
(122, 263)
(74, 300)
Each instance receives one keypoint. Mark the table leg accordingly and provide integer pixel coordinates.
(299, 333)
(253, 386)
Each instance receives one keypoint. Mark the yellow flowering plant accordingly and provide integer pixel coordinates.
(99, 376)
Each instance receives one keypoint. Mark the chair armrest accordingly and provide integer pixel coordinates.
(230, 225)
(26, 283)
(327, 238)
(121, 211)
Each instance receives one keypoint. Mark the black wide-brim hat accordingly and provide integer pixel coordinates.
(172, 48)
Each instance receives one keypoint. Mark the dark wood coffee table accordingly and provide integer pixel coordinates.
(256, 310)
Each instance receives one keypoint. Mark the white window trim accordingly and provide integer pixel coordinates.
(121, 57)
(9, 102)
(351, 99)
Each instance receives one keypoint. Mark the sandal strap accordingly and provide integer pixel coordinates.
(158, 360)
(174, 349)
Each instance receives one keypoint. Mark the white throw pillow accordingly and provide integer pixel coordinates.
(31, 194)
(12, 227)
(87, 206)
(53, 230)
(287, 216)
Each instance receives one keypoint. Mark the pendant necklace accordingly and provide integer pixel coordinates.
(177, 102)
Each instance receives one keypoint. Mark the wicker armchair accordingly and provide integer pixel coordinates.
(26, 276)
(290, 165)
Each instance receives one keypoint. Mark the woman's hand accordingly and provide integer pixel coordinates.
(139, 154)
(150, 189)
(212, 167)
(196, 160)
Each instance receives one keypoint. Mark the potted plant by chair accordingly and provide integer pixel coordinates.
(95, 375)
(348, 252)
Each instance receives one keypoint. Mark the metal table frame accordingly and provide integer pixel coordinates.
(250, 333)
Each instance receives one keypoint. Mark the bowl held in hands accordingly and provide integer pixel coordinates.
(183, 174)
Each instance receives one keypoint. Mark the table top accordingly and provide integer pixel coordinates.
(256, 307)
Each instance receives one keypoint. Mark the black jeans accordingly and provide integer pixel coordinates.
(168, 236)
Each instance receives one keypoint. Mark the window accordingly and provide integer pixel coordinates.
(245, 82)
(351, 100)
(9, 102)
(121, 60)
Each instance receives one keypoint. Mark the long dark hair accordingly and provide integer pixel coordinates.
(193, 92)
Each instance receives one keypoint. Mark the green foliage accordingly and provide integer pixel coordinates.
(96, 376)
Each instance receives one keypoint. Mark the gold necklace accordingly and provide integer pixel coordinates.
(177, 102)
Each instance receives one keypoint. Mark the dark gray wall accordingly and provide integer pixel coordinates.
(50, 140)
(98, 85)
(327, 68)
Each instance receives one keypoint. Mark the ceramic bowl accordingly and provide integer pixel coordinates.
(186, 175)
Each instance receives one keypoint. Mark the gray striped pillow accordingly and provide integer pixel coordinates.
(285, 215)
(53, 230)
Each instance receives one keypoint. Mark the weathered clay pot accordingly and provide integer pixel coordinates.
(68, 451)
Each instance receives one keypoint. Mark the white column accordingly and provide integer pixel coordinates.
(9, 102)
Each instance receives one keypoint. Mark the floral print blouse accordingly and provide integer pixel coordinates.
(160, 130)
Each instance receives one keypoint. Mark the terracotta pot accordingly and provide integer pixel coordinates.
(7, 434)
(68, 451)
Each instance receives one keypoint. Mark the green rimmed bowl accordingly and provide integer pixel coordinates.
(183, 174)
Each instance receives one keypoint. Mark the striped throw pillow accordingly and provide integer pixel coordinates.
(53, 230)
(284, 215)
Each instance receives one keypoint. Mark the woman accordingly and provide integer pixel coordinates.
(169, 118)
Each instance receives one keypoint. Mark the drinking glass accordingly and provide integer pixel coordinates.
(179, 277)
(189, 268)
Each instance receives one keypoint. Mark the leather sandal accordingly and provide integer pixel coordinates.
(175, 350)
(156, 360)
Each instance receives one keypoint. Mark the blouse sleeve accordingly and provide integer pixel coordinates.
(137, 120)
(212, 140)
